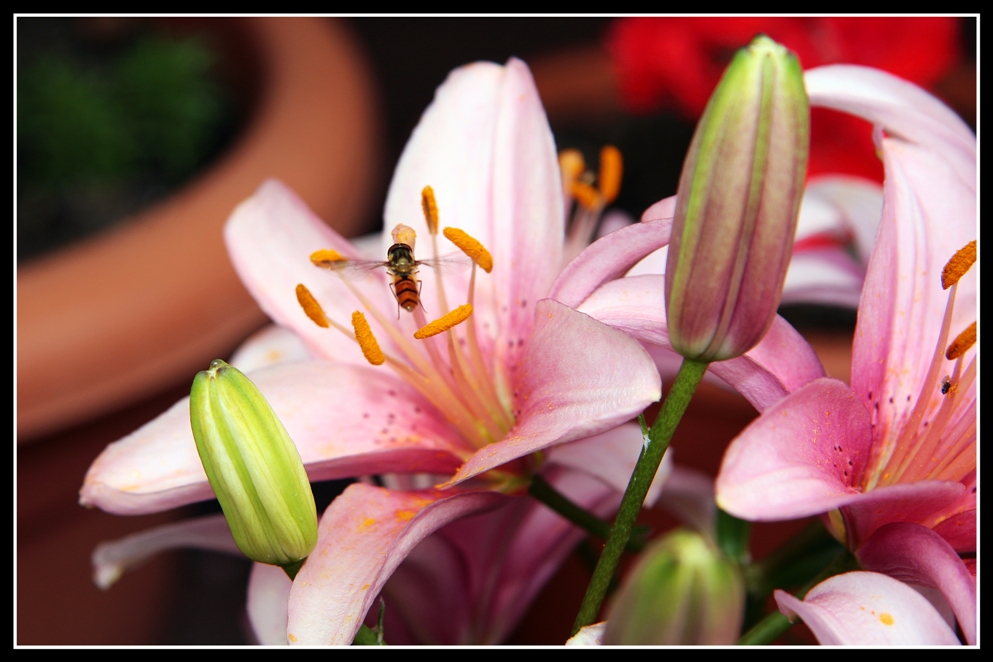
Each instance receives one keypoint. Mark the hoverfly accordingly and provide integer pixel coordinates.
(402, 267)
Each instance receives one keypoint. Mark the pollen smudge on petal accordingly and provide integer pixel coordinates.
(367, 342)
(445, 322)
(471, 247)
(962, 343)
(328, 258)
(430, 206)
(310, 306)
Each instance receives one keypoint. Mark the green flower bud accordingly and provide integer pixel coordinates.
(736, 211)
(253, 467)
(681, 592)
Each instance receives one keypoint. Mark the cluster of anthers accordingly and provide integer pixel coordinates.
(591, 193)
(460, 387)
(944, 447)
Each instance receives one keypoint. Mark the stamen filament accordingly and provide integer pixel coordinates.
(430, 381)
(960, 461)
(468, 387)
(962, 440)
(497, 411)
(900, 449)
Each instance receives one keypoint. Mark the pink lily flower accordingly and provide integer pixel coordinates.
(554, 388)
(899, 445)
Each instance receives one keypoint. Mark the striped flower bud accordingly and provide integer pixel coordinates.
(681, 592)
(253, 467)
(738, 199)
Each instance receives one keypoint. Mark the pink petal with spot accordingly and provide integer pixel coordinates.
(803, 456)
(868, 609)
(917, 555)
(379, 424)
(363, 536)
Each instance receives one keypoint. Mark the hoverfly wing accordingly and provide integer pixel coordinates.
(454, 262)
(356, 269)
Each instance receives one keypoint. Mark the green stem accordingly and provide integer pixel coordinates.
(543, 491)
(776, 624)
(673, 408)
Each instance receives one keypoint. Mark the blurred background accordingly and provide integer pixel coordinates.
(137, 137)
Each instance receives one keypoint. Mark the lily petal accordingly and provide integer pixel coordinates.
(565, 391)
(902, 302)
(867, 608)
(917, 555)
(903, 502)
(929, 213)
(800, 458)
(268, 346)
(111, 559)
(902, 108)
(364, 535)
(505, 191)
(497, 561)
(268, 595)
(270, 238)
(959, 531)
(609, 258)
(588, 635)
(157, 467)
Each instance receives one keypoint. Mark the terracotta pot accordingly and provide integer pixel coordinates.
(112, 320)
(134, 313)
